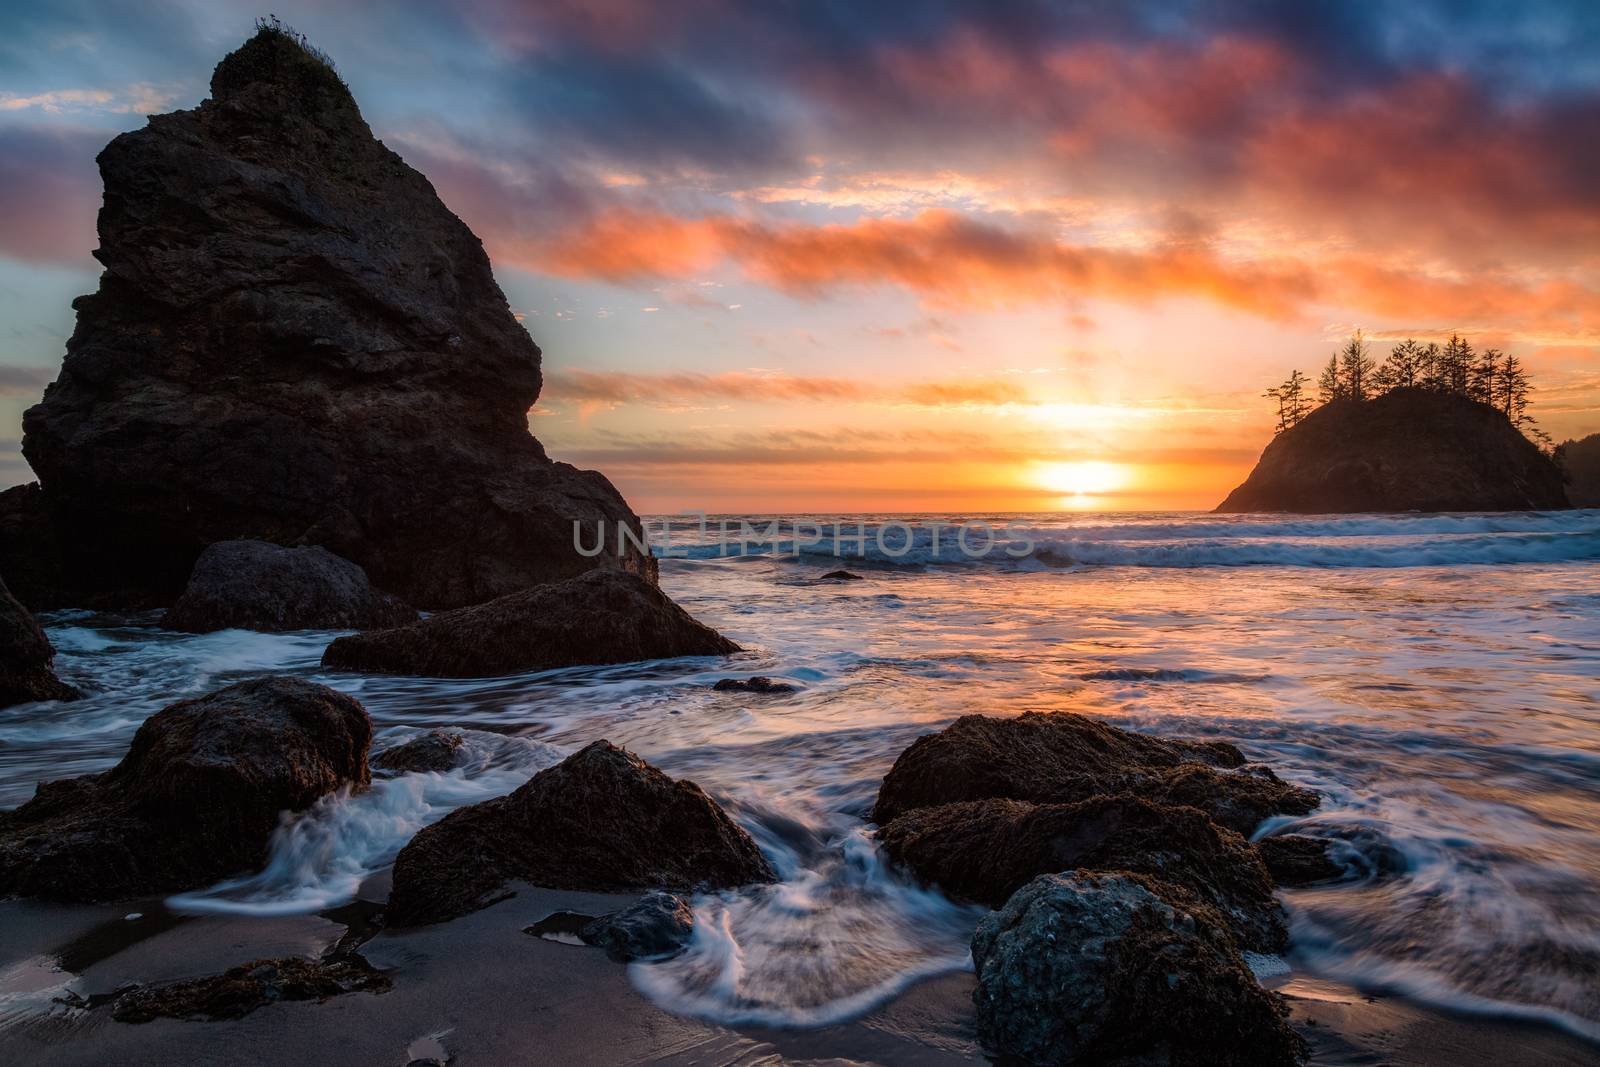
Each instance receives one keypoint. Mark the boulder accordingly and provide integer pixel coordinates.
(254, 585)
(602, 820)
(1061, 757)
(658, 926)
(25, 658)
(985, 850)
(840, 576)
(759, 684)
(295, 340)
(436, 751)
(1106, 969)
(599, 617)
(196, 798)
(1407, 450)
(240, 990)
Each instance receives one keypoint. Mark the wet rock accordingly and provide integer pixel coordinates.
(840, 576)
(1105, 968)
(601, 820)
(1294, 859)
(600, 617)
(25, 658)
(758, 684)
(1061, 757)
(658, 926)
(295, 340)
(435, 751)
(196, 798)
(240, 990)
(253, 585)
(985, 850)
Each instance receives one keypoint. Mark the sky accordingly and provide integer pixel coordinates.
(920, 256)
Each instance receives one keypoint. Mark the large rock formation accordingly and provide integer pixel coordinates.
(1408, 450)
(600, 820)
(25, 657)
(196, 798)
(1113, 969)
(1581, 459)
(599, 617)
(1062, 758)
(256, 585)
(294, 340)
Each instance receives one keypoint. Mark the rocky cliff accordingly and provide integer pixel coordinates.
(1582, 461)
(1408, 450)
(293, 340)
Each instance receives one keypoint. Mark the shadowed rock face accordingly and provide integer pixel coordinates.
(985, 850)
(25, 656)
(253, 585)
(1409, 450)
(294, 340)
(601, 820)
(1064, 758)
(1116, 969)
(600, 617)
(196, 798)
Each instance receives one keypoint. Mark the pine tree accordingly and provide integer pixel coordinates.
(1510, 392)
(1455, 366)
(1485, 369)
(1430, 375)
(1355, 368)
(1296, 405)
(1403, 369)
(1330, 386)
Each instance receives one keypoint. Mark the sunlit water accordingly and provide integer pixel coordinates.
(1436, 678)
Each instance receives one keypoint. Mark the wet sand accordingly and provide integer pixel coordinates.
(480, 991)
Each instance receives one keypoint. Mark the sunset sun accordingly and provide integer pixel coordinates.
(1083, 478)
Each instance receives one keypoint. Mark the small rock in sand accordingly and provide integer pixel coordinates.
(241, 990)
(658, 926)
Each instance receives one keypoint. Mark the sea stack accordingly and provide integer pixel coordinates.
(1407, 450)
(294, 340)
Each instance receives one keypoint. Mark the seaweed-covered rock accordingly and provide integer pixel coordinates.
(295, 340)
(658, 926)
(1107, 969)
(1061, 757)
(196, 798)
(599, 617)
(1294, 859)
(240, 990)
(254, 585)
(436, 751)
(25, 657)
(601, 820)
(985, 850)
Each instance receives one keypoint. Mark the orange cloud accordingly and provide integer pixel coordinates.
(618, 387)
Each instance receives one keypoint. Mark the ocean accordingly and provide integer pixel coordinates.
(1435, 677)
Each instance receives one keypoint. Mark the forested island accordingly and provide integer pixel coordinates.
(1431, 428)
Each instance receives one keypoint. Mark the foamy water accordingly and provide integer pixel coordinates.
(1437, 678)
